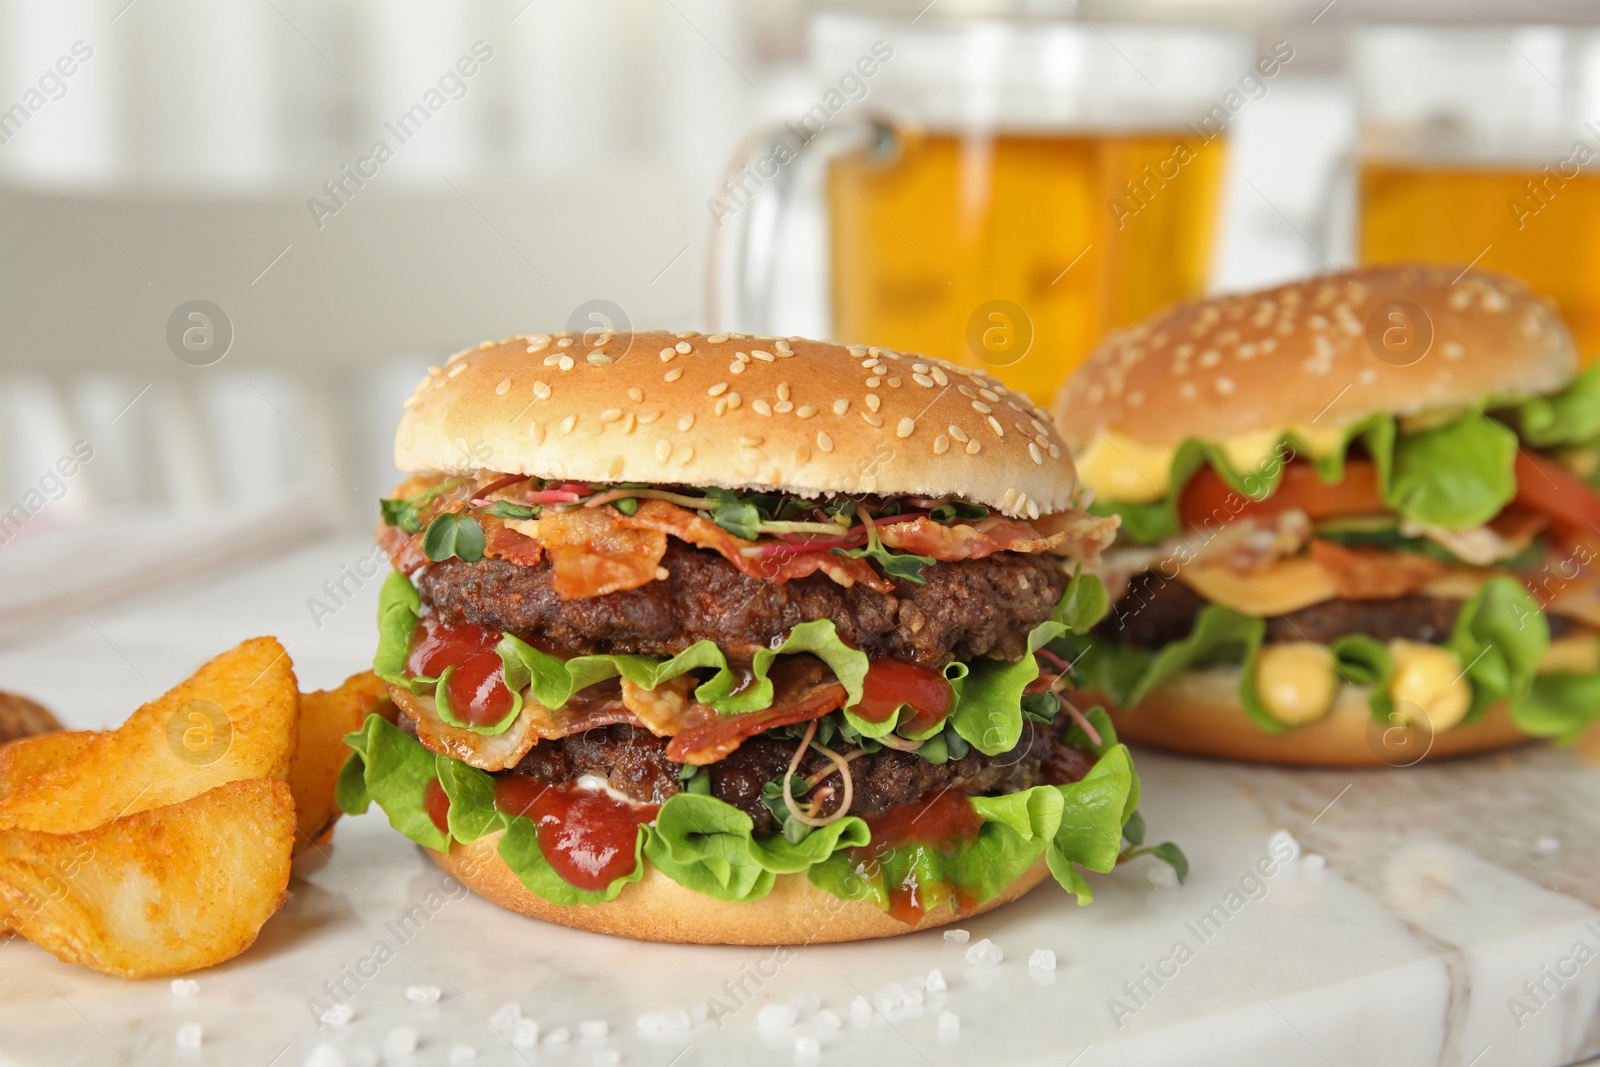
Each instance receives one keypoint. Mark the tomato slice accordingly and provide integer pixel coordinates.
(1546, 486)
(1208, 497)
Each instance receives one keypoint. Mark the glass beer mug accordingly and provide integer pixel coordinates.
(1481, 147)
(996, 191)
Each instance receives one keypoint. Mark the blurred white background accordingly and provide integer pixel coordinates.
(183, 156)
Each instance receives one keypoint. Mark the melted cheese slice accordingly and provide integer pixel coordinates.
(1286, 586)
(1122, 470)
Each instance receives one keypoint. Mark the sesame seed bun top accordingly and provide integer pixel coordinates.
(729, 410)
(1329, 350)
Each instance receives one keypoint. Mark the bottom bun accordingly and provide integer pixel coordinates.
(1198, 712)
(656, 908)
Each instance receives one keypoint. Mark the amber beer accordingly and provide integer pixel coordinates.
(1540, 223)
(1081, 232)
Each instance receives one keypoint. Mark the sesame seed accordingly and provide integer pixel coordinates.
(717, 339)
(1055, 451)
(410, 402)
(600, 359)
(568, 423)
(871, 419)
(536, 432)
(456, 369)
(989, 395)
(805, 411)
(761, 407)
(734, 400)
(615, 468)
(941, 445)
(565, 342)
(1210, 357)
(485, 344)
(783, 390)
(873, 403)
(541, 391)
(841, 406)
(635, 394)
(763, 356)
(802, 454)
(994, 424)
(785, 352)
(1033, 510)
(683, 348)
(981, 408)
(874, 382)
(721, 406)
(718, 389)
(742, 357)
(673, 375)
(1033, 451)
(906, 428)
(611, 415)
(750, 440)
(894, 383)
(973, 448)
(957, 433)
(552, 359)
(685, 421)
(565, 363)
(736, 367)
(1008, 498)
(967, 392)
(503, 388)
(685, 456)
(1224, 386)
(649, 415)
(663, 450)
(940, 376)
(922, 380)
(824, 442)
(1187, 390)
(783, 407)
(627, 423)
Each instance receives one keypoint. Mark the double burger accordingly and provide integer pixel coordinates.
(735, 639)
(1359, 520)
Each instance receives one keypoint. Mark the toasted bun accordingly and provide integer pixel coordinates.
(1310, 352)
(807, 417)
(656, 908)
(1198, 712)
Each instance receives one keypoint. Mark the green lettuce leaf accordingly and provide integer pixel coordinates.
(471, 793)
(1570, 417)
(395, 771)
(1500, 636)
(441, 704)
(1455, 476)
(398, 606)
(988, 707)
(1559, 705)
(1364, 660)
(708, 845)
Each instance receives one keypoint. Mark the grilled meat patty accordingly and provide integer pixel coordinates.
(1163, 611)
(634, 762)
(965, 609)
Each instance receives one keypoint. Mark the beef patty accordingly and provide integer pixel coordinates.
(634, 762)
(965, 609)
(1159, 611)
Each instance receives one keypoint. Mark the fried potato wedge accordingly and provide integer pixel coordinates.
(32, 756)
(234, 719)
(326, 715)
(163, 891)
(21, 717)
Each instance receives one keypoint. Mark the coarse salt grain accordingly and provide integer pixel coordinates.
(807, 1047)
(593, 1029)
(339, 1015)
(401, 1041)
(524, 1033)
(936, 982)
(674, 1021)
(949, 1024)
(185, 987)
(559, 1036)
(912, 999)
(505, 1018)
(776, 1016)
(826, 1021)
(325, 1056)
(1043, 959)
(860, 1012)
(985, 954)
(957, 937)
(189, 1035)
(461, 1055)
(422, 994)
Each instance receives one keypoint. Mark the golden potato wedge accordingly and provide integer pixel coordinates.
(164, 891)
(235, 718)
(326, 715)
(30, 756)
(21, 717)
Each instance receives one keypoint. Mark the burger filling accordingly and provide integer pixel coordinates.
(1443, 564)
(731, 686)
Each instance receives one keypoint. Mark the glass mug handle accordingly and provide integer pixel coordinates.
(746, 228)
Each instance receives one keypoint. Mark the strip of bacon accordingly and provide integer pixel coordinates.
(803, 689)
(502, 542)
(592, 553)
(1373, 573)
(988, 536)
(685, 525)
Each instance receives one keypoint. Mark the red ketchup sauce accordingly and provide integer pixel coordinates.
(477, 688)
(892, 682)
(588, 837)
(436, 802)
(946, 824)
